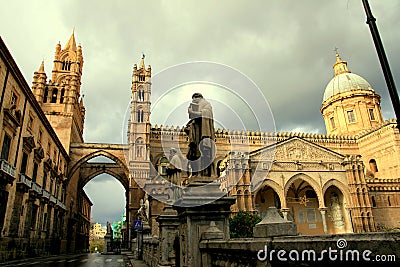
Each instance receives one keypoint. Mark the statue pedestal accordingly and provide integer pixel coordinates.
(107, 244)
(168, 224)
(274, 225)
(200, 205)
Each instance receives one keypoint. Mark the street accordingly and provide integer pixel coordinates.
(82, 260)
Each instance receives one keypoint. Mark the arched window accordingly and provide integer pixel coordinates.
(62, 96)
(139, 147)
(66, 65)
(140, 115)
(46, 95)
(162, 168)
(373, 166)
(54, 96)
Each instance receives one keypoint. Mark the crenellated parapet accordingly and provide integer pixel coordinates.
(380, 185)
(388, 125)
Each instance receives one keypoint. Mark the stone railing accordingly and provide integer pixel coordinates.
(53, 199)
(7, 168)
(45, 194)
(246, 252)
(150, 251)
(60, 204)
(25, 181)
(36, 188)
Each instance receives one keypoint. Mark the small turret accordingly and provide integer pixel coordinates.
(39, 83)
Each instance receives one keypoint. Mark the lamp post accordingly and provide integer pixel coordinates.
(383, 60)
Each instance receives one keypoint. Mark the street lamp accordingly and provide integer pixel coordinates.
(383, 60)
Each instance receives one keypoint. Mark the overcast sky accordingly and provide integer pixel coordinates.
(285, 47)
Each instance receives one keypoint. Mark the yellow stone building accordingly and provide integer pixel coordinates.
(33, 170)
(346, 180)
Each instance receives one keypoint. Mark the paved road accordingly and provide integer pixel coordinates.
(83, 260)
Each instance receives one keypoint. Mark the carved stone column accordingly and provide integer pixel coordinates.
(285, 212)
(323, 212)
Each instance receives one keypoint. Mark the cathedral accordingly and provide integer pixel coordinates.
(344, 181)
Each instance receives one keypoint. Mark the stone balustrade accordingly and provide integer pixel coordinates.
(7, 168)
(36, 188)
(25, 181)
(243, 251)
(150, 251)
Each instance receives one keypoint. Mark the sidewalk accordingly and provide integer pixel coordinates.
(134, 262)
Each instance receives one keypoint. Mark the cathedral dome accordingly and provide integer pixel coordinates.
(345, 82)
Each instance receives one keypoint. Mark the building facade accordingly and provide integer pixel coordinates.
(344, 181)
(33, 170)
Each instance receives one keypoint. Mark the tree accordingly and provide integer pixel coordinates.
(242, 224)
(99, 243)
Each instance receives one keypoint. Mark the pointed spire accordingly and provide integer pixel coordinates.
(142, 66)
(71, 44)
(41, 68)
(340, 66)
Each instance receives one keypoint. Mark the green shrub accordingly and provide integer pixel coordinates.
(242, 224)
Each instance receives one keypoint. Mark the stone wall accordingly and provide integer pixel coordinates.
(243, 252)
(150, 251)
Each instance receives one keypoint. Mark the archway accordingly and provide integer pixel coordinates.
(108, 197)
(266, 197)
(337, 217)
(83, 167)
(303, 203)
(92, 166)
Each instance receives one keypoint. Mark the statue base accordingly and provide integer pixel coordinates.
(201, 190)
(203, 214)
(274, 225)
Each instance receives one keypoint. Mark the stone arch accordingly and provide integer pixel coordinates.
(156, 159)
(119, 177)
(276, 187)
(340, 186)
(94, 154)
(311, 182)
(217, 162)
(338, 218)
(61, 79)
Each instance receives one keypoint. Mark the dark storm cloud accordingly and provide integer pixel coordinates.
(284, 46)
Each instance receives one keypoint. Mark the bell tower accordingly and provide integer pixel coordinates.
(60, 97)
(139, 123)
(139, 135)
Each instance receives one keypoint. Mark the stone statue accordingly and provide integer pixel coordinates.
(200, 130)
(147, 206)
(142, 213)
(336, 214)
(109, 228)
(176, 164)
